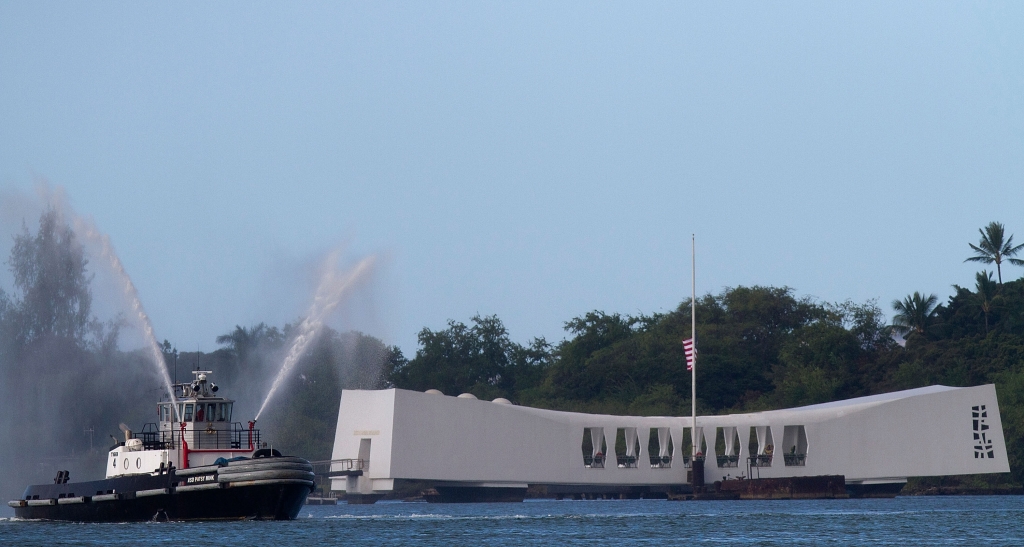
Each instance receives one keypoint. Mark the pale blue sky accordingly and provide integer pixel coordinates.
(532, 160)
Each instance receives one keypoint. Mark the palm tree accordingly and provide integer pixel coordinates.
(986, 287)
(992, 248)
(242, 341)
(914, 313)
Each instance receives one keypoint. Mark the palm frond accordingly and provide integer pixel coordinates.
(1010, 250)
(982, 255)
(995, 247)
(914, 313)
(993, 234)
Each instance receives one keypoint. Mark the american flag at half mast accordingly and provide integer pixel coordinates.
(691, 352)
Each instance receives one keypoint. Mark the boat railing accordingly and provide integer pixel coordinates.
(760, 460)
(236, 438)
(594, 462)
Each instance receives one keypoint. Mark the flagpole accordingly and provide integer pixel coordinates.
(693, 336)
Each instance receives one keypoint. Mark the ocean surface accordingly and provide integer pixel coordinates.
(954, 520)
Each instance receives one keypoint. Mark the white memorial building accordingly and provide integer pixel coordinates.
(461, 442)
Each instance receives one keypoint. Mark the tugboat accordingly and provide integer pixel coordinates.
(193, 464)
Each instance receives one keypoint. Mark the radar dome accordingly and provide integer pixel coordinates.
(467, 396)
(434, 392)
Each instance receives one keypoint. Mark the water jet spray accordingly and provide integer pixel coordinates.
(88, 230)
(332, 288)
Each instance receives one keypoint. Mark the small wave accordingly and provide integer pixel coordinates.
(516, 516)
(428, 516)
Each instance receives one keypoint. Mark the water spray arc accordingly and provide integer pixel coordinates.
(332, 288)
(89, 231)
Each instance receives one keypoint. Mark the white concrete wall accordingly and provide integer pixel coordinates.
(451, 439)
(366, 415)
(926, 432)
(448, 439)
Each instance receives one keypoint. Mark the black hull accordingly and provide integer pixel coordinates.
(265, 489)
(263, 502)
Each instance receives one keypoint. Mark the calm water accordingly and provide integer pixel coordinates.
(922, 520)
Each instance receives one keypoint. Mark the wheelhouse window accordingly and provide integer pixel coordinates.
(206, 412)
(188, 412)
(224, 412)
(165, 413)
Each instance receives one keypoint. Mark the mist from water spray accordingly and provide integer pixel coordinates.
(332, 288)
(87, 230)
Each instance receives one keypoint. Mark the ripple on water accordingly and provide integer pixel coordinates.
(931, 521)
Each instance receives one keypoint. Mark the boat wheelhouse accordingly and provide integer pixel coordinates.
(193, 431)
